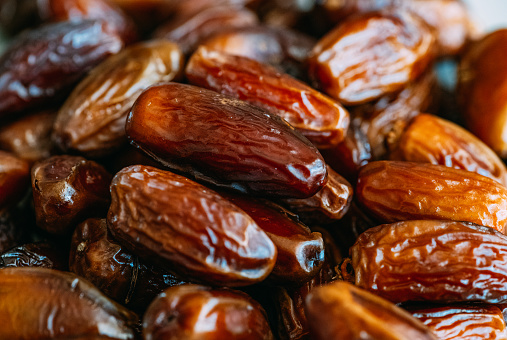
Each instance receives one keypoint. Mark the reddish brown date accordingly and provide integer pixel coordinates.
(191, 312)
(394, 191)
(225, 142)
(41, 303)
(92, 120)
(319, 118)
(433, 261)
(67, 190)
(188, 31)
(40, 254)
(188, 229)
(342, 311)
(370, 56)
(458, 322)
(14, 179)
(429, 139)
(44, 63)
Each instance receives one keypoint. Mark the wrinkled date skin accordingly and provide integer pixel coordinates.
(41, 254)
(482, 89)
(67, 190)
(300, 251)
(216, 243)
(456, 322)
(41, 303)
(282, 48)
(192, 312)
(14, 179)
(42, 64)
(370, 56)
(119, 274)
(343, 311)
(331, 203)
(319, 118)
(438, 261)
(92, 120)
(29, 137)
(429, 139)
(225, 142)
(189, 31)
(394, 191)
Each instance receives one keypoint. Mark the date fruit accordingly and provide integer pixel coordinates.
(186, 228)
(439, 261)
(367, 57)
(192, 312)
(41, 254)
(342, 311)
(41, 303)
(319, 118)
(225, 142)
(394, 191)
(14, 179)
(92, 120)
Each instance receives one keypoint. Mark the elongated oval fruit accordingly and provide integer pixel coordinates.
(41, 303)
(92, 120)
(192, 312)
(372, 55)
(394, 191)
(341, 311)
(461, 321)
(429, 139)
(225, 142)
(432, 260)
(319, 118)
(188, 229)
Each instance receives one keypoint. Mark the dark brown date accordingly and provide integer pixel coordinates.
(191, 312)
(319, 118)
(67, 190)
(13, 228)
(16, 15)
(92, 120)
(41, 303)
(188, 31)
(44, 63)
(187, 229)
(14, 179)
(367, 57)
(343, 311)
(225, 142)
(300, 251)
(40, 254)
(438, 261)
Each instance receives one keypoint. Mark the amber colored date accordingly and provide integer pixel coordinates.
(319, 118)
(436, 261)
(192, 312)
(67, 190)
(225, 142)
(429, 139)
(343, 311)
(41, 303)
(92, 120)
(14, 179)
(187, 229)
(394, 191)
(41, 254)
(367, 57)
(457, 322)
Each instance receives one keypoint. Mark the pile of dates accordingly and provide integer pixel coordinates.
(252, 169)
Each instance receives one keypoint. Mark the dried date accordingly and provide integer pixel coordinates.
(41, 254)
(14, 179)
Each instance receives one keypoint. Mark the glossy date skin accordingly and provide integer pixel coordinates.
(92, 120)
(429, 139)
(172, 123)
(67, 190)
(343, 311)
(44, 63)
(394, 191)
(319, 118)
(389, 50)
(440, 261)
(41, 303)
(14, 179)
(41, 254)
(456, 322)
(216, 243)
(192, 312)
